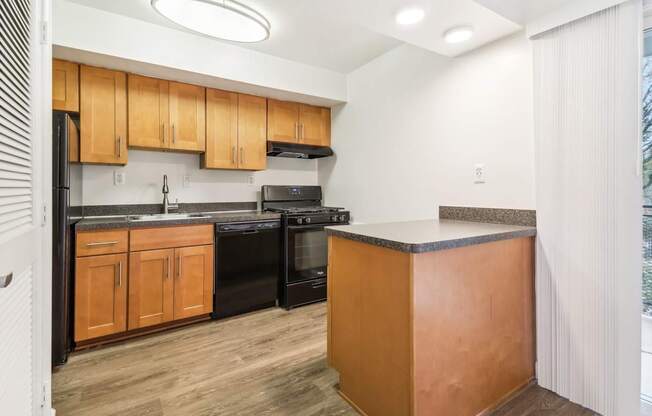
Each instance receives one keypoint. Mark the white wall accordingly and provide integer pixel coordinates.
(416, 123)
(145, 172)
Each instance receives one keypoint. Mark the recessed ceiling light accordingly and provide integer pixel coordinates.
(458, 34)
(410, 16)
(222, 19)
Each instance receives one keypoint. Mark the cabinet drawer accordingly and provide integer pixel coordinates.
(171, 237)
(306, 292)
(93, 243)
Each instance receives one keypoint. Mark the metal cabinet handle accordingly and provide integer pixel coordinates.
(163, 132)
(102, 243)
(302, 131)
(119, 147)
(169, 266)
(174, 136)
(5, 280)
(179, 267)
(296, 131)
(233, 156)
(119, 277)
(241, 155)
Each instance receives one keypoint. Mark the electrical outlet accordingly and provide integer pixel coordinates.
(119, 177)
(250, 179)
(186, 181)
(479, 173)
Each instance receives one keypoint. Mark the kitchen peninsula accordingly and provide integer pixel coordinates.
(431, 317)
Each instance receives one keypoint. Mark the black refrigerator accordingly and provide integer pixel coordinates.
(66, 210)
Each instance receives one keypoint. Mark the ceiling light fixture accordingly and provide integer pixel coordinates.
(221, 19)
(410, 16)
(458, 34)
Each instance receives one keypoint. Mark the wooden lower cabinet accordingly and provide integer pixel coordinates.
(151, 288)
(171, 284)
(150, 278)
(100, 296)
(193, 287)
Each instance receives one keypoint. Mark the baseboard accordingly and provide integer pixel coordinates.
(350, 402)
(508, 397)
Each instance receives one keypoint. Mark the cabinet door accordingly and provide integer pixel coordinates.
(252, 125)
(100, 296)
(188, 117)
(221, 130)
(193, 286)
(65, 86)
(148, 112)
(315, 125)
(151, 288)
(73, 142)
(103, 114)
(283, 121)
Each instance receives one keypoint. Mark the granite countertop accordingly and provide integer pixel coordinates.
(122, 221)
(429, 235)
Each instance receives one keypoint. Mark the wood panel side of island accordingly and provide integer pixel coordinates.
(369, 326)
(473, 311)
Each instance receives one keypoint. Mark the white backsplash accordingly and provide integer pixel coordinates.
(144, 179)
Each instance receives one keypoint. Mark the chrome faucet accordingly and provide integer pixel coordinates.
(166, 203)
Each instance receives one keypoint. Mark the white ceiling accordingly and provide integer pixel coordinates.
(523, 11)
(441, 15)
(342, 35)
(300, 32)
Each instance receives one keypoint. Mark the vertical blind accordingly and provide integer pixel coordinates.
(15, 117)
(589, 209)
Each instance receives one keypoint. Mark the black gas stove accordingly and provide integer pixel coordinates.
(305, 245)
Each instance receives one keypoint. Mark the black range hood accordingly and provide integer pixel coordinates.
(297, 150)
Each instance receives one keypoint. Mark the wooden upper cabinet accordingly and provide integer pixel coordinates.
(221, 130)
(149, 125)
(283, 121)
(100, 296)
(187, 117)
(236, 131)
(103, 115)
(73, 141)
(315, 125)
(252, 127)
(65, 86)
(298, 123)
(151, 288)
(193, 285)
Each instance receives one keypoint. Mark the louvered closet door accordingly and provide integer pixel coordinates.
(20, 233)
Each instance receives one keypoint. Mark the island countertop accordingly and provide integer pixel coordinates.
(429, 235)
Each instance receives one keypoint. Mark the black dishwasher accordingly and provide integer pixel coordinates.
(247, 267)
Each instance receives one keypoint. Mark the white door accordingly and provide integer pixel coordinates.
(24, 276)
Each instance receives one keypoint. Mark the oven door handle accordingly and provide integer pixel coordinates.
(307, 227)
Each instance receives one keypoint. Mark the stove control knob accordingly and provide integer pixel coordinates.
(334, 218)
(308, 220)
(342, 217)
(299, 220)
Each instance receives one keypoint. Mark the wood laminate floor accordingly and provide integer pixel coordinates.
(267, 363)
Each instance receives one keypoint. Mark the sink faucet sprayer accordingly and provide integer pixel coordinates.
(166, 203)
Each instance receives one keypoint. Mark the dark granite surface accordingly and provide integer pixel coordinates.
(144, 209)
(122, 221)
(525, 217)
(429, 235)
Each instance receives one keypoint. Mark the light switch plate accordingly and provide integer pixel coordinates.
(119, 177)
(479, 173)
(186, 181)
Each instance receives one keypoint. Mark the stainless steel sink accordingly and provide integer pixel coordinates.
(166, 217)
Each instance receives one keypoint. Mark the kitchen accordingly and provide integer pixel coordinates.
(321, 208)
